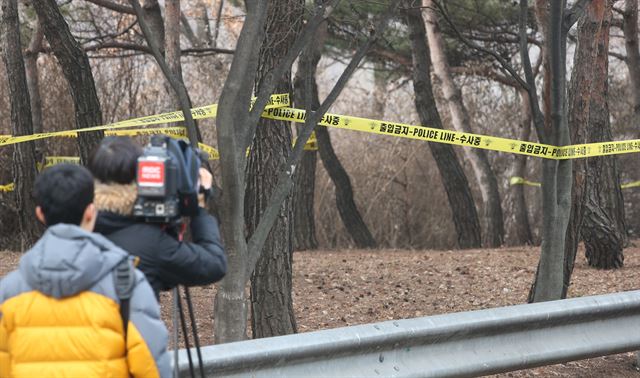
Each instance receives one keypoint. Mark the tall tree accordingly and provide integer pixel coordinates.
(77, 70)
(461, 201)
(551, 128)
(604, 229)
(344, 195)
(580, 92)
(230, 302)
(236, 131)
(271, 283)
(305, 89)
(630, 30)
(492, 219)
(355, 225)
(24, 160)
(556, 174)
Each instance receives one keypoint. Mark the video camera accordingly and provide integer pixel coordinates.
(167, 178)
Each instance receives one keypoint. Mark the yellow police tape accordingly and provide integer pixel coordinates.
(515, 180)
(6, 188)
(628, 185)
(208, 111)
(521, 181)
(176, 132)
(50, 161)
(278, 109)
(459, 138)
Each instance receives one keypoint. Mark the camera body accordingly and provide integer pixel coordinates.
(167, 178)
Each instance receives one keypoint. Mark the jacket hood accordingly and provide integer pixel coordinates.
(68, 260)
(115, 198)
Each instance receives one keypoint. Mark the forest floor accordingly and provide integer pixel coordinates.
(342, 288)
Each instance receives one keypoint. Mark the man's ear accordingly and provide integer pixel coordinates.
(89, 217)
(40, 215)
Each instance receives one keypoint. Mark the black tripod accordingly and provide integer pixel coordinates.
(178, 311)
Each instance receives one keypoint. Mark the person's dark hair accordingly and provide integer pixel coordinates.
(115, 160)
(63, 192)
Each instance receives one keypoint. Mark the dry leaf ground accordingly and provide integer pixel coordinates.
(341, 288)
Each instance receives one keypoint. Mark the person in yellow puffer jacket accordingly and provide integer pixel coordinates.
(60, 311)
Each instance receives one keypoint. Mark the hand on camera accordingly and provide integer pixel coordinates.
(205, 184)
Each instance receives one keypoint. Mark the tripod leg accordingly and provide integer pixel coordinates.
(194, 328)
(183, 323)
(176, 372)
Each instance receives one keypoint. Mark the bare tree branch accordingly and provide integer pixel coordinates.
(389, 54)
(486, 72)
(216, 31)
(506, 65)
(131, 46)
(117, 45)
(113, 6)
(111, 36)
(502, 39)
(188, 31)
(214, 50)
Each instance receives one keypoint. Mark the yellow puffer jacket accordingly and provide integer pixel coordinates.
(60, 315)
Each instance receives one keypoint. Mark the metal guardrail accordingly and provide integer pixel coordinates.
(459, 344)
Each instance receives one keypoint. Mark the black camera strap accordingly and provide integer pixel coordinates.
(124, 277)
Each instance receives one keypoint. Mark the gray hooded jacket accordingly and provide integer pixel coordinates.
(68, 261)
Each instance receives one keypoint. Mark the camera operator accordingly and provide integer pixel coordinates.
(163, 257)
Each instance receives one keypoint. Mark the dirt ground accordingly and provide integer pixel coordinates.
(342, 288)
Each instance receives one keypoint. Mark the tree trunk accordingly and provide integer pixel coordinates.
(172, 50)
(380, 92)
(604, 228)
(580, 91)
(237, 130)
(492, 219)
(517, 227)
(24, 160)
(203, 26)
(230, 311)
(77, 70)
(461, 201)
(556, 175)
(542, 9)
(303, 203)
(172, 39)
(630, 30)
(347, 208)
(31, 67)
(271, 282)
(153, 16)
(304, 192)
